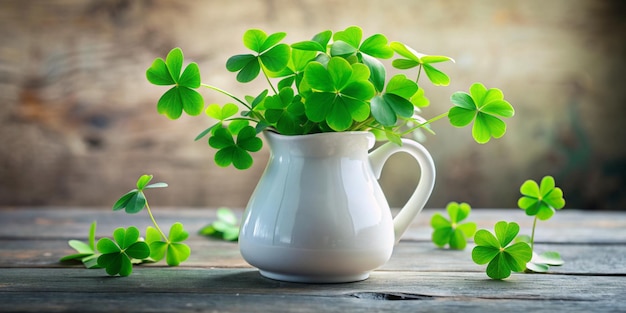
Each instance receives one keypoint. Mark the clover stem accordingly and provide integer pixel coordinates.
(361, 124)
(532, 235)
(419, 72)
(155, 223)
(268, 81)
(434, 119)
(228, 94)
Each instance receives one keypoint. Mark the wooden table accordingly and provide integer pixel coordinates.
(419, 276)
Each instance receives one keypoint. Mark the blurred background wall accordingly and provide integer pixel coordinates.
(79, 121)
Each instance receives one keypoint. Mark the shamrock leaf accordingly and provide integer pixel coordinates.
(294, 71)
(481, 106)
(269, 54)
(225, 227)
(86, 252)
(413, 59)
(236, 152)
(182, 96)
(117, 254)
(348, 42)
(285, 111)
(395, 101)
(450, 231)
(172, 248)
(541, 200)
(134, 201)
(495, 250)
(317, 43)
(339, 93)
(540, 263)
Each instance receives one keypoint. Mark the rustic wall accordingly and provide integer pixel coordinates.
(79, 124)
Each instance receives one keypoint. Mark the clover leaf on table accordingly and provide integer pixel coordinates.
(540, 262)
(339, 93)
(482, 106)
(226, 226)
(182, 96)
(502, 256)
(86, 252)
(541, 201)
(452, 232)
(235, 151)
(171, 248)
(269, 53)
(118, 253)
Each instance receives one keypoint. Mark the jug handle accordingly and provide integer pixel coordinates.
(422, 192)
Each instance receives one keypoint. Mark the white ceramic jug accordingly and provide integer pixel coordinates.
(318, 214)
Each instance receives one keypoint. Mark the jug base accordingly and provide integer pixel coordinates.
(315, 279)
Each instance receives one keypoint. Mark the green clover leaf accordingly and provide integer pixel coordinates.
(269, 54)
(339, 93)
(174, 251)
(495, 250)
(225, 227)
(348, 42)
(181, 97)
(235, 152)
(285, 112)
(86, 252)
(135, 200)
(481, 106)
(395, 102)
(294, 71)
(451, 231)
(117, 254)
(541, 200)
(413, 59)
(317, 44)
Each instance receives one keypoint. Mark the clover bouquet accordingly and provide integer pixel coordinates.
(332, 83)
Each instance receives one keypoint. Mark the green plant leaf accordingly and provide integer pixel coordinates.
(85, 252)
(226, 226)
(437, 77)
(143, 181)
(182, 96)
(235, 152)
(340, 93)
(502, 256)
(269, 53)
(276, 58)
(171, 248)
(285, 112)
(117, 254)
(221, 113)
(377, 46)
(541, 201)
(158, 74)
(481, 106)
(253, 39)
(416, 59)
(351, 35)
(451, 232)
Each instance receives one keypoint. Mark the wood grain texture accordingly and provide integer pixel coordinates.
(418, 278)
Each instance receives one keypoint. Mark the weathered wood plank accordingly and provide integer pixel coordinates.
(581, 259)
(245, 290)
(272, 303)
(566, 226)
